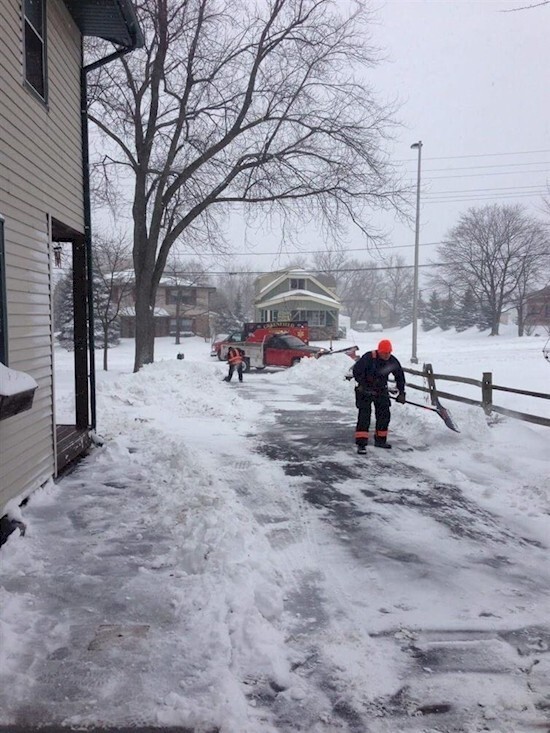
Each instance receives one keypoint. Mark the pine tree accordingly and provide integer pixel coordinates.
(432, 314)
(63, 310)
(484, 319)
(447, 313)
(466, 314)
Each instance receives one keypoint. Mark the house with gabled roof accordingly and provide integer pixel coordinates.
(299, 295)
(537, 306)
(44, 206)
(182, 306)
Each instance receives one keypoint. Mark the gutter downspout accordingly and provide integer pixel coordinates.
(88, 208)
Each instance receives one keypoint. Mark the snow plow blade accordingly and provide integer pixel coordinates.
(443, 413)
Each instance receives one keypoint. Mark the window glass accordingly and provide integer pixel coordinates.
(3, 303)
(35, 63)
(34, 14)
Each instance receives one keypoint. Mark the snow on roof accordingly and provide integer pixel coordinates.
(180, 282)
(282, 275)
(171, 280)
(294, 294)
(129, 310)
(13, 382)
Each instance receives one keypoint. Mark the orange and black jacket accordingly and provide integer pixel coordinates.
(235, 355)
(371, 373)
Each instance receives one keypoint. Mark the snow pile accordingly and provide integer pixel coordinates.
(180, 576)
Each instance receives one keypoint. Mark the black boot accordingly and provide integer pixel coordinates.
(361, 450)
(381, 443)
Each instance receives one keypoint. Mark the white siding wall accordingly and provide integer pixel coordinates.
(40, 176)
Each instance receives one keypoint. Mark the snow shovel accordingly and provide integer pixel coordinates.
(443, 413)
(345, 350)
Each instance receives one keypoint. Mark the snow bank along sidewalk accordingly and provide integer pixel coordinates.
(142, 591)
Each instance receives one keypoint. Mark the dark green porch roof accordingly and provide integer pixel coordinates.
(113, 20)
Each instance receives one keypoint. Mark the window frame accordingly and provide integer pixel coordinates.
(184, 294)
(41, 37)
(3, 300)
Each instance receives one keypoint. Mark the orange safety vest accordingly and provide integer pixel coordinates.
(233, 356)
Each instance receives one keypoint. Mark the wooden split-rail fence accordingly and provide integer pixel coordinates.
(487, 393)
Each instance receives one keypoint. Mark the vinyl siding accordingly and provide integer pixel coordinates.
(40, 177)
(284, 287)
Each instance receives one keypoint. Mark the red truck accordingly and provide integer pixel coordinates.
(278, 343)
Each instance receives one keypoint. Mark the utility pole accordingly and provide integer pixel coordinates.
(414, 358)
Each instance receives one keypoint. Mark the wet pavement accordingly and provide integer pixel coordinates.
(351, 495)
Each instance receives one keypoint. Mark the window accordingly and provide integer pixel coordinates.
(297, 283)
(187, 296)
(35, 45)
(3, 301)
(314, 318)
(266, 316)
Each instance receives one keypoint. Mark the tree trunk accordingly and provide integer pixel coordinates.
(178, 305)
(105, 347)
(145, 288)
(521, 321)
(145, 327)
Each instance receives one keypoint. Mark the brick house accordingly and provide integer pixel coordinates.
(538, 308)
(181, 305)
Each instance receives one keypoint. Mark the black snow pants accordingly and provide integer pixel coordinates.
(364, 402)
(235, 367)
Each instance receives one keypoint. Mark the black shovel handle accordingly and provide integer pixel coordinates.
(441, 411)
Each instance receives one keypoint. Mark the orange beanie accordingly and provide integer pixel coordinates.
(385, 346)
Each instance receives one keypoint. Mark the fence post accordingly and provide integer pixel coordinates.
(429, 374)
(487, 392)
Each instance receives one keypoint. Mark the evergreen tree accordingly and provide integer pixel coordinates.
(484, 316)
(447, 312)
(466, 314)
(432, 313)
(63, 310)
(421, 306)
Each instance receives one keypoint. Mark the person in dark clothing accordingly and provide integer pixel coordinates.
(371, 372)
(235, 358)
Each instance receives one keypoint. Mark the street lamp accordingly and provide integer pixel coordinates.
(414, 358)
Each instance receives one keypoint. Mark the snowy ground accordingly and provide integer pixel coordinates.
(226, 562)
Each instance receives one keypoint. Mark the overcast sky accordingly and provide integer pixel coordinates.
(473, 83)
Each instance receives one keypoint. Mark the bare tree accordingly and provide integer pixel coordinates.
(239, 102)
(495, 251)
(398, 289)
(534, 269)
(359, 288)
(234, 298)
(113, 281)
(183, 276)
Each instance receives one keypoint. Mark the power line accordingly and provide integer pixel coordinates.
(341, 269)
(313, 251)
(478, 175)
(495, 165)
(480, 155)
(478, 197)
(473, 190)
(329, 271)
